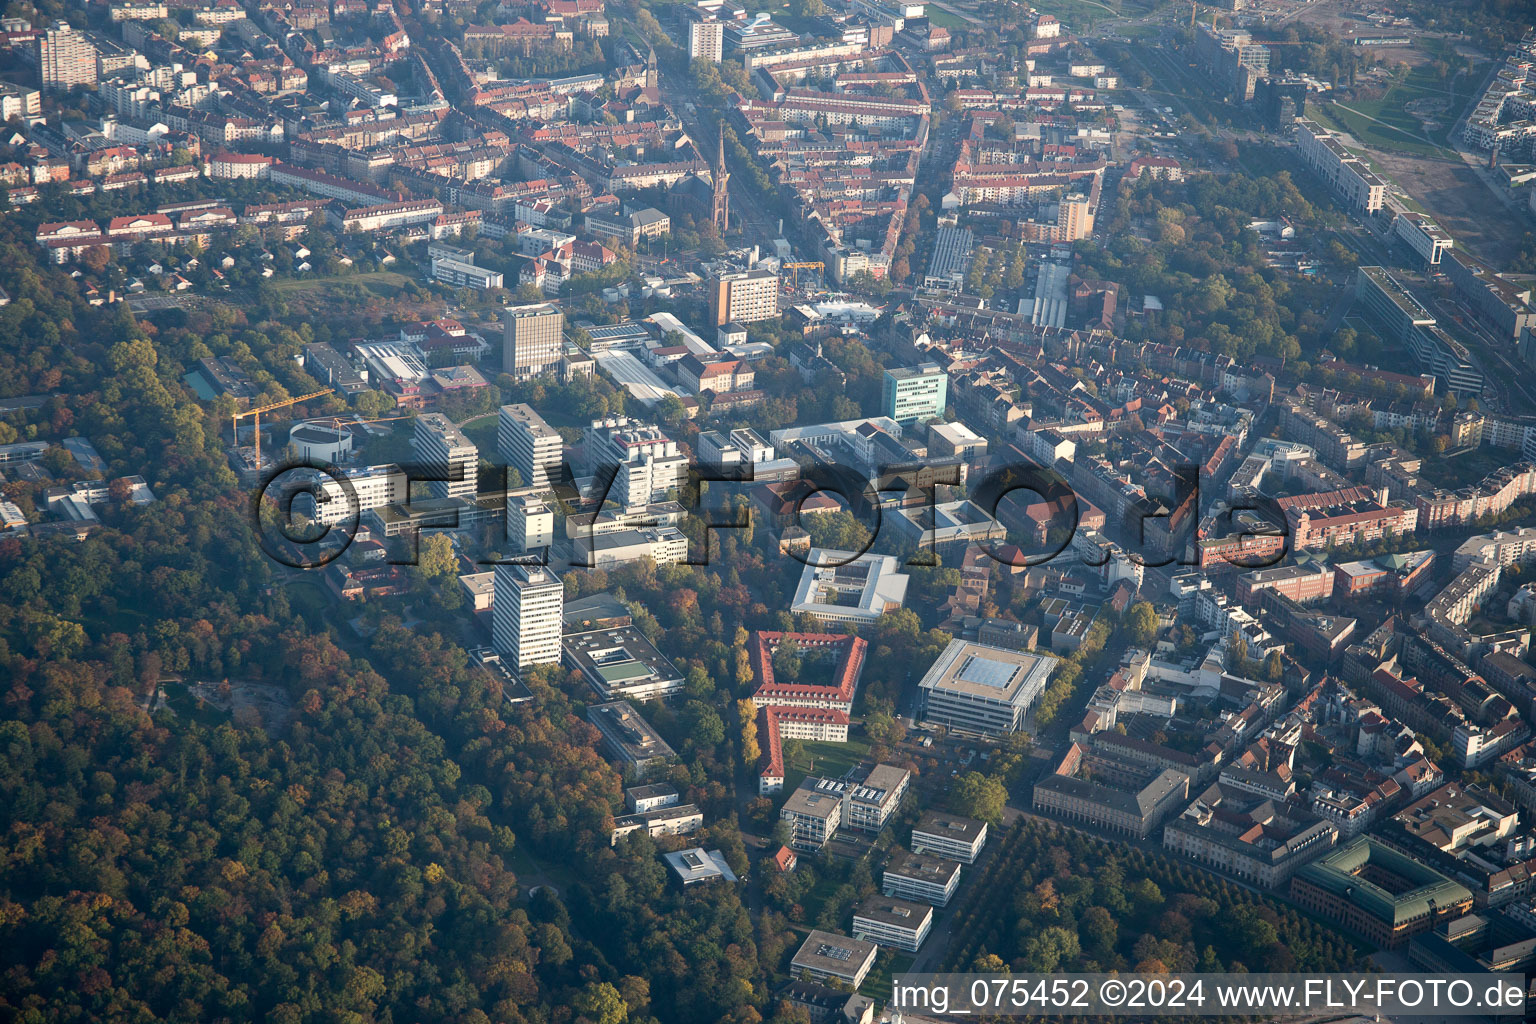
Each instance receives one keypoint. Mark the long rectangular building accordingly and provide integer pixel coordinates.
(949, 835)
(890, 921)
(1343, 171)
(1401, 317)
(628, 738)
(916, 876)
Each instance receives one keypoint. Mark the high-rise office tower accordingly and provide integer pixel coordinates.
(534, 340)
(528, 444)
(527, 606)
(443, 447)
(913, 393)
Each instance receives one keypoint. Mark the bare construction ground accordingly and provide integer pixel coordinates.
(1462, 204)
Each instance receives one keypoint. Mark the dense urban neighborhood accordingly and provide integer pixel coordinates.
(584, 512)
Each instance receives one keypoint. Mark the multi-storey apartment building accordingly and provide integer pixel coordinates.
(1345, 173)
(813, 817)
(949, 836)
(916, 876)
(890, 921)
(706, 35)
(65, 58)
(744, 297)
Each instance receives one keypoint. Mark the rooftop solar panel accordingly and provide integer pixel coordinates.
(984, 672)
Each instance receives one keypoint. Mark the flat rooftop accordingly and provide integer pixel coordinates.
(622, 725)
(988, 673)
(923, 867)
(898, 913)
(808, 800)
(949, 826)
(831, 953)
(618, 657)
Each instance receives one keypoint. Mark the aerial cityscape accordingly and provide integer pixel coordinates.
(672, 511)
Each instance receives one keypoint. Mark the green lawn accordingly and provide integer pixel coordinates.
(1077, 15)
(381, 282)
(1387, 123)
(482, 431)
(827, 759)
(940, 18)
(877, 984)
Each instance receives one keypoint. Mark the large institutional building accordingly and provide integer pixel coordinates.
(443, 446)
(526, 615)
(535, 341)
(1378, 892)
(528, 444)
(983, 689)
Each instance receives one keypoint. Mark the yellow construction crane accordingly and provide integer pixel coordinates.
(797, 267)
(336, 421)
(256, 412)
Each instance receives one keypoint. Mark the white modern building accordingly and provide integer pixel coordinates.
(528, 444)
(916, 876)
(890, 921)
(462, 274)
(839, 586)
(448, 453)
(813, 816)
(644, 461)
(526, 615)
(1423, 236)
(828, 956)
(913, 393)
(706, 35)
(664, 545)
(1348, 175)
(530, 525)
(950, 836)
(371, 487)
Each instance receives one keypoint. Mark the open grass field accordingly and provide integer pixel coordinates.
(1414, 113)
(940, 18)
(1077, 15)
(482, 431)
(386, 283)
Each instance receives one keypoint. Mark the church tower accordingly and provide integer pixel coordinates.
(722, 201)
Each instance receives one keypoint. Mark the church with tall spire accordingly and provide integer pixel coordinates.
(721, 211)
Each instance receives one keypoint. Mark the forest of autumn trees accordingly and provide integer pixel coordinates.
(352, 863)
